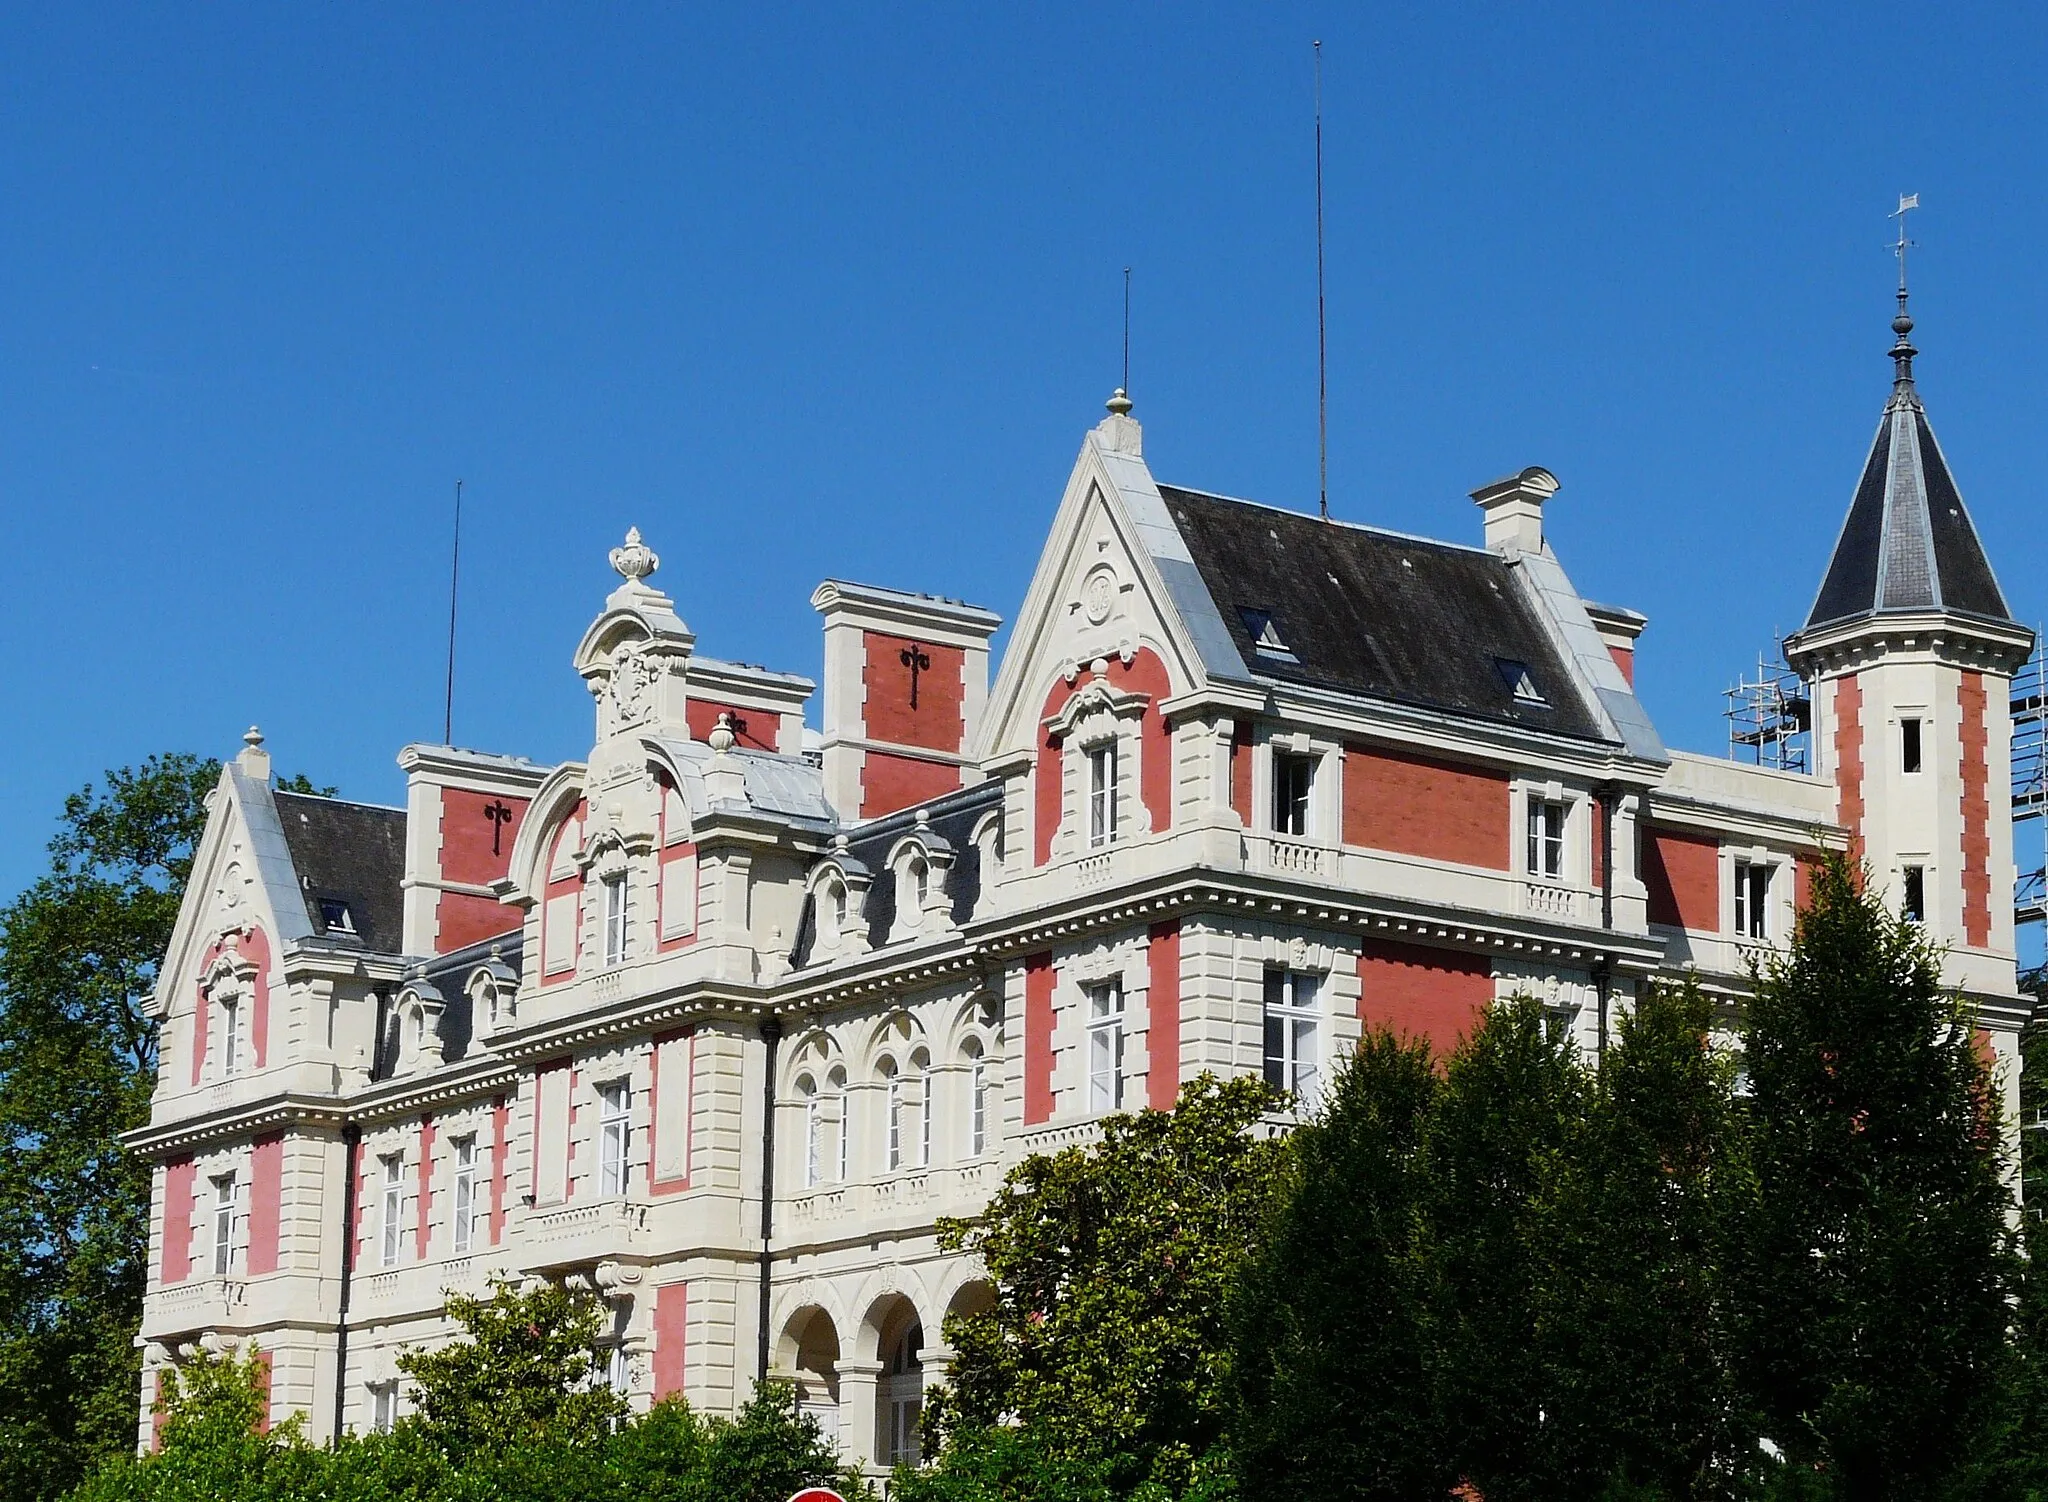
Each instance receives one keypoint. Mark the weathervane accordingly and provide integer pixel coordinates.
(1902, 325)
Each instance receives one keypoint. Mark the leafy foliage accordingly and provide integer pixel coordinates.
(1113, 1264)
(215, 1447)
(1875, 1261)
(529, 1367)
(78, 957)
(1331, 1378)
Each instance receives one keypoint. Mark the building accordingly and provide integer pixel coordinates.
(720, 1019)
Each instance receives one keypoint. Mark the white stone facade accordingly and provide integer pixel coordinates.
(562, 1041)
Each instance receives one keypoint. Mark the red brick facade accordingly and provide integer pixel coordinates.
(1162, 1015)
(1683, 875)
(1972, 698)
(1849, 758)
(1416, 805)
(1417, 992)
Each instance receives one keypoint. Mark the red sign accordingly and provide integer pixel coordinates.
(817, 1494)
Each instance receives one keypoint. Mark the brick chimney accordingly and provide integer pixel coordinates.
(906, 678)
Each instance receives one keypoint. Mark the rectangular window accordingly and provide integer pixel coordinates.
(391, 1221)
(230, 1036)
(1915, 883)
(1294, 780)
(843, 1138)
(618, 917)
(894, 1108)
(614, 1132)
(977, 1109)
(465, 1192)
(1546, 838)
(924, 1117)
(1102, 794)
(1909, 745)
(813, 1147)
(1752, 900)
(223, 1225)
(383, 1406)
(1106, 1046)
(618, 1369)
(1293, 1018)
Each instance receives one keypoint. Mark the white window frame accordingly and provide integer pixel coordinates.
(814, 1126)
(614, 1136)
(924, 1114)
(1912, 744)
(977, 1107)
(391, 1216)
(1103, 769)
(230, 1035)
(226, 1190)
(618, 918)
(1292, 1031)
(1301, 810)
(1548, 849)
(383, 1407)
(892, 1108)
(1105, 1024)
(1912, 873)
(464, 1228)
(1754, 916)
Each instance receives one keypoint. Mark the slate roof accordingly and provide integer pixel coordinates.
(353, 853)
(1380, 614)
(1907, 544)
(952, 818)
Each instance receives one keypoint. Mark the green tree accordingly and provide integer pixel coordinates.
(1630, 1234)
(1331, 1372)
(529, 1365)
(1875, 1260)
(1112, 1265)
(1512, 1101)
(78, 956)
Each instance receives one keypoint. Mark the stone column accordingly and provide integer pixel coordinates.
(858, 1384)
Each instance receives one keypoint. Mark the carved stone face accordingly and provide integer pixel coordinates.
(632, 680)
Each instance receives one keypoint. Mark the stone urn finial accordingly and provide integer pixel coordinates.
(635, 560)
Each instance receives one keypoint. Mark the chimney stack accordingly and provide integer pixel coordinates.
(1514, 510)
(906, 677)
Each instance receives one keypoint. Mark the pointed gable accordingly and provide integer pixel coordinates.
(1907, 544)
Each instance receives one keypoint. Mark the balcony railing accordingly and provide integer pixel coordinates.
(1296, 857)
(1544, 899)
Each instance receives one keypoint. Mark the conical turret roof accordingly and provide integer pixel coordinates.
(1908, 544)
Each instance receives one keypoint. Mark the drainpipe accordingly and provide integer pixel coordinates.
(1609, 797)
(771, 1034)
(351, 1147)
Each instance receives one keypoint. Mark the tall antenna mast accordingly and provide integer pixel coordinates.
(1127, 331)
(454, 578)
(1322, 338)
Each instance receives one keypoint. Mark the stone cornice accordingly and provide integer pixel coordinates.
(248, 1119)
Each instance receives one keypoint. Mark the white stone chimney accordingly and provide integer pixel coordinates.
(1514, 510)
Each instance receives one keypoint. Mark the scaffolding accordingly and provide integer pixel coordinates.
(2030, 801)
(1770, 717)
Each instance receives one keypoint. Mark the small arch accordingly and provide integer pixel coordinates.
(897, 1331)
(809, 1352)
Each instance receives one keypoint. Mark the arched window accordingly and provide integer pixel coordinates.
(842, 1124)
(814, 1126)
(921, 1107)
(892, 1115)
(976, 1135)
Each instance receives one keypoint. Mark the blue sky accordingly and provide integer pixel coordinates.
(805, 292)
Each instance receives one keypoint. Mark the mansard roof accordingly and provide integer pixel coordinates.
(1907, 545)
(1365, 611)
(351, 853)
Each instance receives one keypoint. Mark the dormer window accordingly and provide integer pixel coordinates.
(230, 1035)
(1260, 626)
(1101, 794)
(618, 911)
(335, 917)
(1521, 682)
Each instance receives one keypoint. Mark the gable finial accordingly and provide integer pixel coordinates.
(635, 561)
(1902, 325)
